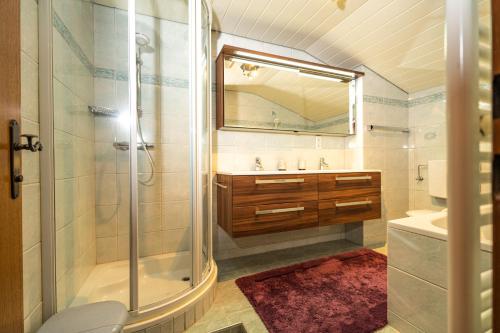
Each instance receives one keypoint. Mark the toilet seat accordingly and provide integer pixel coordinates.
(101, 317)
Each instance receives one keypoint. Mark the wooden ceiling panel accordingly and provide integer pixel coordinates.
(249, 18)
(320, 27)
(230, 20)
(301, 21)
(356, 31)
(400, 39)
(346, 26)
(407, 49)
(380, 33)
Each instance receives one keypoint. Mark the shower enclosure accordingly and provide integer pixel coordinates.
(125, 113)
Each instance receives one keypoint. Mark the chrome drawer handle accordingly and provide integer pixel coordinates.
(220, 185)
(279, 181)
(354, 203)
(280, 210)
(354, 178)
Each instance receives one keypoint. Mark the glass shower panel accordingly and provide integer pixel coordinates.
(205, 136)
(164, 165)
(91, 156)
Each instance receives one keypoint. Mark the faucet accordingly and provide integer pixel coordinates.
(258, 164)
(322, 164)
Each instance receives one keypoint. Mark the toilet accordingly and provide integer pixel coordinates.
(437, 186)
(101, 317)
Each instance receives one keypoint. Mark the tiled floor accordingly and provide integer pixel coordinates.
(231, 306)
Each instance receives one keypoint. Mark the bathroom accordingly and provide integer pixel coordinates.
(295, 171)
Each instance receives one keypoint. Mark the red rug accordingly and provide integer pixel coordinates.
(345, 293)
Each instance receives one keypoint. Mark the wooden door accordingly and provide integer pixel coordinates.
(496, 164)
(11, 278)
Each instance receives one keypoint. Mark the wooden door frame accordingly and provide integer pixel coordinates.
(11, 254)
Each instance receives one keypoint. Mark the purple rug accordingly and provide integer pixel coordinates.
(345, 293)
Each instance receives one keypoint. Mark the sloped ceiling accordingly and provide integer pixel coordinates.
(313, 99)
(402, 40)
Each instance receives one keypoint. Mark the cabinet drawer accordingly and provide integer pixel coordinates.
(252, 190)
(335, 186)
(347, 210)
(262, 219)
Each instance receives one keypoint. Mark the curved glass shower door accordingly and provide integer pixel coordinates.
(206, 142)
(91, 157)
(131, 132)
(165, 171)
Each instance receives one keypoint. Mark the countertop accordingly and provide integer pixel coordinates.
(290, 172)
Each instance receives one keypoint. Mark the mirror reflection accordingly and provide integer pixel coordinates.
(271, 97)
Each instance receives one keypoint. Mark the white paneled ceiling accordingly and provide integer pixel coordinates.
(402, 40)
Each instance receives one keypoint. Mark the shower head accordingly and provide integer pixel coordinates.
(141, 40)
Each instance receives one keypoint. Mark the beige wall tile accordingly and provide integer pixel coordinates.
(106, 220)
(32, 278)
(33, 320)
(106, 249)
(31, 215)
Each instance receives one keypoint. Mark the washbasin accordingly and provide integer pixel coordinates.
(485, 230)
(440, 222)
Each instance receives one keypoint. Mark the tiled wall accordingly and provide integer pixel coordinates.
(32, 270)
(164, 210)
(74, 147)
(240, 109)
(427, 122)
(385, 105)
(235, 151)
(246, 109)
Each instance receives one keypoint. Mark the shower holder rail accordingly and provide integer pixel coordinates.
(103, 111)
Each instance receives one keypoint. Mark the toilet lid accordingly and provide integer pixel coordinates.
(101, 317)
(418, 212)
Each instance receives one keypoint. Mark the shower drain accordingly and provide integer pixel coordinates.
(186, 278)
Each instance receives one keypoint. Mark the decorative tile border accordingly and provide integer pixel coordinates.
(432, 98)
(107, 73)
(286, 126)
(385, 101)
(160, 80)
(66, 34)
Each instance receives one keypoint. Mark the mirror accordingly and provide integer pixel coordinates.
(262, 95)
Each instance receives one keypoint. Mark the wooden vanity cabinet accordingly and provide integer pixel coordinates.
(254, 205)
(349, 197)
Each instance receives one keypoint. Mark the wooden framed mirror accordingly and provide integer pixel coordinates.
(264, 92)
